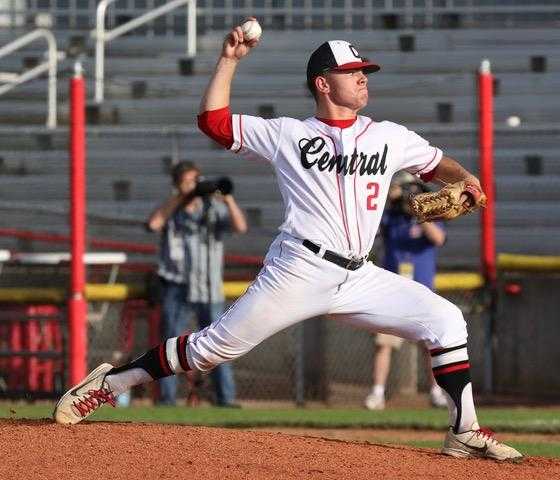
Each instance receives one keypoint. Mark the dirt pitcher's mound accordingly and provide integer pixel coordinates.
(41, 450)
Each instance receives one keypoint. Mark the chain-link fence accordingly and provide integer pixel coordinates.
(317, 360)
(347, 354)
(127, 330)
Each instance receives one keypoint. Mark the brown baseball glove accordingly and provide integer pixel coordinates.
(447, 204)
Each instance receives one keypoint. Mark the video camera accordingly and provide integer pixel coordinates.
(203, 188)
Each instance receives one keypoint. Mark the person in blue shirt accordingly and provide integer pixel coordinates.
(410, 250)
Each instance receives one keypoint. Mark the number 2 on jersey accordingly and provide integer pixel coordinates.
(371, 199)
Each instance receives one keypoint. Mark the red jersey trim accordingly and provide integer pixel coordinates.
(355, 198)
(426, 165)
(428, 176)
(340, 199)
(338, 123)
(363, 131)
(217, 124)
(240, 135)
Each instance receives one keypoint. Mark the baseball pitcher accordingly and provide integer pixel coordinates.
(334, 170)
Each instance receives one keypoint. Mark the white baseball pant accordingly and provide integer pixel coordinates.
(295, 284)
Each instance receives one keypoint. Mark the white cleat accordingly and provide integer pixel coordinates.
(374, 402)
(85, 398)
(478, 444)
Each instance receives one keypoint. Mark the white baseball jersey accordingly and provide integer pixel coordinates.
(334, 181)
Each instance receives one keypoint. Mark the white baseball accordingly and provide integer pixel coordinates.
(513, 121)
(251, 30)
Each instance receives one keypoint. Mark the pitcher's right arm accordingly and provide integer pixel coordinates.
(234, 48)
(214, 117)
(251, 136)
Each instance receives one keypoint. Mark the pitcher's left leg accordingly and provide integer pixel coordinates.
(383, 301)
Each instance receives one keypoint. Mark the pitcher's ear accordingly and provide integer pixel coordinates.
(321, 84)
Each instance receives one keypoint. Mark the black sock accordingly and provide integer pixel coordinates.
(155, 361)
(452, 373)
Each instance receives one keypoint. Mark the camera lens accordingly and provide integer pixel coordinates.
(206, 187)
(225, 185)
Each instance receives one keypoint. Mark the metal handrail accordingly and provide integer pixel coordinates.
(102, 36)
(50, 66)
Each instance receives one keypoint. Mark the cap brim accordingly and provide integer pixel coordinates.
(366, 67)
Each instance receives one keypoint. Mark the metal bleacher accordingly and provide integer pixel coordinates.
(149, 116)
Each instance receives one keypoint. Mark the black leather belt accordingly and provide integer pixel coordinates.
(347, 263)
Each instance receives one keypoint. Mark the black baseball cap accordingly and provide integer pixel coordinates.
(337, 55)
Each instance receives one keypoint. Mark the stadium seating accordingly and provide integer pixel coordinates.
(150, 113)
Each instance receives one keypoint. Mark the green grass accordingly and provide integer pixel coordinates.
(523, 420)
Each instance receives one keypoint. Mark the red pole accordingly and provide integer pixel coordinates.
(486, 138)
(77, 306)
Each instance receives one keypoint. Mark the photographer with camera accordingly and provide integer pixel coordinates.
(192, 223)
(410, 250)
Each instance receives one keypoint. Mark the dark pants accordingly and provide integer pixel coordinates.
(175, 313)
